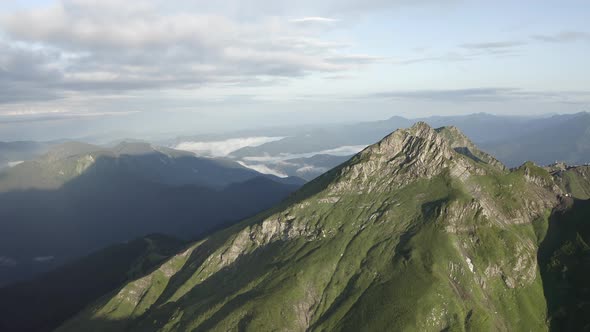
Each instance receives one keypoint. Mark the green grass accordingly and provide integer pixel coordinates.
(576, 181)
(385, 264)
(435, 254)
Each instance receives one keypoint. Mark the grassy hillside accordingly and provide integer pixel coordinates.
(414, 233)
(573, 180)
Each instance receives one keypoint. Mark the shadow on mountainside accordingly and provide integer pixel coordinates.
(564, 260)
(41, 229)
(47, 301)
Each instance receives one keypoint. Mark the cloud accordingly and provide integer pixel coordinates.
(302, 8)
(42, 115)
(357, 59)
(26, 72)
(264, 169)
(345, 150)
(449, 57)
(14, 163)
(454, 95)
(223, 148)
(99, 47)
(32, 112)
(467, 52)
(311, 169)
(314, 19)
(493, 94)
(564, 37)
(275, 164)
(492, 45)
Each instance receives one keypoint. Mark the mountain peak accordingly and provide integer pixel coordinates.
(417, 152)
(421, 128)
(407, 141)
(460, 143)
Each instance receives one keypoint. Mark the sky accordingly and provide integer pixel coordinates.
(76, 68)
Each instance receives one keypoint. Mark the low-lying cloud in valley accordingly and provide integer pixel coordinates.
(225, 147)
(345, 150)
(264, 169)
(297, 164)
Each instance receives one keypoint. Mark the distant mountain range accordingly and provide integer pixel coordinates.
(289, 151)
(564, 139)
(512, 139)
(78, 198)
(420, 231)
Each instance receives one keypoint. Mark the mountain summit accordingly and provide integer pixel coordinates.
(421, 231)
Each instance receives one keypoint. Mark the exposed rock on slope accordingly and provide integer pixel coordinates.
(420, 231)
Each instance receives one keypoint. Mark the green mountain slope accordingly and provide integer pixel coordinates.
(574, 181)
(419, 232)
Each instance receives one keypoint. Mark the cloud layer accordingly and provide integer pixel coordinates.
(96, 46)
(225, 147)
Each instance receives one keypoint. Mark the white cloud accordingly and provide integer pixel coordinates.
(311, 169)
(268, 164)
(223, 148)
(314, 19)
(263, 169)
(14, 163)
(98, 46)
(564, 37)
(32, 112)
(344, 150)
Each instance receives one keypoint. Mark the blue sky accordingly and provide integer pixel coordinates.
(82, 67)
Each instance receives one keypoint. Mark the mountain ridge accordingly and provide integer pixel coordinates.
(359, 246)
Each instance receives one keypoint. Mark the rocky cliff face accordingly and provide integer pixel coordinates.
(421, 231)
